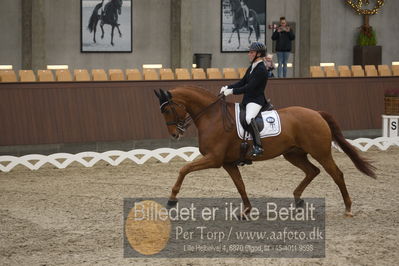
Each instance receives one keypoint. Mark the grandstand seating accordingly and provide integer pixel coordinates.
(150, 74)
(198, 73)
(316, 72)
(230, 73)
(182, 73)
(45, 75)
(330, 71)
(241, 71)
(166, 74)
(357, 71)
(214, 73)
(63, 75)
(370, 71)
(81, 75)
(383, 70)
(395, 70)
(133, 74)
(8, 76)
(27, 76)
(344, 71)
(116, 74)
(99, 75)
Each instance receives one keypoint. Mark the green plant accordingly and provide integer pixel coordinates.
(367, 36)
(365, 39)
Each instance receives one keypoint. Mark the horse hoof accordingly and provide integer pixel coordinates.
(299, 203)
(348, 214)
(171, 203)
(244, 216)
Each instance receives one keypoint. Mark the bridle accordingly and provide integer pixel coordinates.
(183, 124)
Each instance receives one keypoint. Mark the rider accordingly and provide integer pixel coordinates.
(252, 85)
(102, 8)
(245, 10)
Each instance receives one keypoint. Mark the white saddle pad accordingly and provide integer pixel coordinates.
(271, 121)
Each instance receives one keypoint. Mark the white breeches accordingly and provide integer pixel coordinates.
(252, 110)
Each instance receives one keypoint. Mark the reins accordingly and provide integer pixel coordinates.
(183, 124)
(228, 120)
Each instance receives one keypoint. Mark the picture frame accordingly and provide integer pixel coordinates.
(233, 20)
(106, 14)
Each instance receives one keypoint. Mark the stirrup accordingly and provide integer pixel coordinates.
(256, 151)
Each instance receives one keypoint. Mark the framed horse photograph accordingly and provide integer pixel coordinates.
(242, 22)
(106, 26)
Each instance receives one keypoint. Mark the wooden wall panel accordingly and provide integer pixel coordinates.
(70, 112)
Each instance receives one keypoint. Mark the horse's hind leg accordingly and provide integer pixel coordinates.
(300, 159)
(112, 35)
(332, 169)
(120, 33)
(235, 174)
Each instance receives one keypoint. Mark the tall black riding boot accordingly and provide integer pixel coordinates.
(258, 150)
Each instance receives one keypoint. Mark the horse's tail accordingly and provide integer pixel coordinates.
(94, 16)
(361, 164)
(255, 23)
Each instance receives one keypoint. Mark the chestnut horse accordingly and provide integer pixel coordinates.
(303, 131)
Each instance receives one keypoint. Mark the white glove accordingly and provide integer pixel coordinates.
(227, 92)
(222, 89)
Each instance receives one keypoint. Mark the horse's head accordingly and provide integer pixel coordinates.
(118, 5)
(175, 114)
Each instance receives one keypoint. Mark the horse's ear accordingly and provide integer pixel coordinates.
(165, 94)
(157, 94)
(169, 94)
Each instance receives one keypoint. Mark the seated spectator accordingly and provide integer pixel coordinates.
(269, 65)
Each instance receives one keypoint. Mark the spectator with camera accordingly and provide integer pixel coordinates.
(283, 36)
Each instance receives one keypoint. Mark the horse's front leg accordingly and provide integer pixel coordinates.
(102, 30)
(239, 41)
(95, 30)
(235, 174)
(231, 35)
(200, 164)
(250, 33)
(112, 35)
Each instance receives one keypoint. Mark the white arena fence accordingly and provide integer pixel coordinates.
(140, 156)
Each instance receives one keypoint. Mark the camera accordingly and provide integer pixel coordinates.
(274, 26)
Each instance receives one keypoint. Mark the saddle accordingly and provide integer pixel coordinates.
(259, 122)
(258, 119)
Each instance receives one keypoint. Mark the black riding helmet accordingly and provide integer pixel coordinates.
(258, 47)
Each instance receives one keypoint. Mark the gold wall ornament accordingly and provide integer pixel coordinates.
(357, 6)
